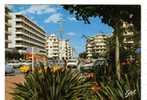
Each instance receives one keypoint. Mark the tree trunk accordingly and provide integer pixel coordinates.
(117, 61)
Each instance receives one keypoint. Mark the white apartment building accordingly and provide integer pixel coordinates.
(25, 34)
(58, 49)
(8, 25)
(70, 53)
(62, 49)
(69, 50)
(96, 44)
(52, 46)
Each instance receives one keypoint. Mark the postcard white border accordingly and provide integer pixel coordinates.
(94, 2)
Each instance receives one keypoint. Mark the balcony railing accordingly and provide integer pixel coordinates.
(27, 29)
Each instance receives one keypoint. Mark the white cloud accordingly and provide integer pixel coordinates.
(39, 9)
(71, 34)
(72, 19)
(54, 18)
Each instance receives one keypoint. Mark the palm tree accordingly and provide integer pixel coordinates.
(52, 84)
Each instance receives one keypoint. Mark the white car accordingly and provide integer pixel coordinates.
(72, 63)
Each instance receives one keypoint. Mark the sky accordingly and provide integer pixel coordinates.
(53, 18)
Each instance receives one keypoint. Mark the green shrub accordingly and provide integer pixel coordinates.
(53, 84)
(120, 90)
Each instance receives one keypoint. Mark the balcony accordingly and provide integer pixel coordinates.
(100, 44)
(29, 42)
(32, 37)
(7, 33)
(30, 31)
(89, 48)
(8, 24)
(21, 45)
(8, 16)
(19, 26)
(8, 41)
(18, 19)
(29, 23)
(89, 45)
(28, 27)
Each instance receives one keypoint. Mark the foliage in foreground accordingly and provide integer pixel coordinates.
(52, 84)
(120, 90)
(62, 84)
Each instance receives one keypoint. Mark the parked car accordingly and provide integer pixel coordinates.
(14, 65)
(9, 69)
(72, 63)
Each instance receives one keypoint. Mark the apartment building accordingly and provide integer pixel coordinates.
(25, 34)
(68, 50)
(52, 46)
(8, 25)
(63, 49)
(128, 36)
(96, 44)
(58, 49)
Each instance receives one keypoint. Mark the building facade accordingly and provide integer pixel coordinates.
(25, 34)
(70, 53)
(8, 25)
(58, 49)
(128, 36)
(62, 49)
(52, 46)
(69, 50)
(97, 45)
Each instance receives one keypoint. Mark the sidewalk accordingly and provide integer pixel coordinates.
(9, 80)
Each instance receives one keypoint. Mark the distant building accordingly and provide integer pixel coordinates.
(25, 34)
(58, 49)
(68, 50)
(62, 49)
(96, 44)
(52, 46)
